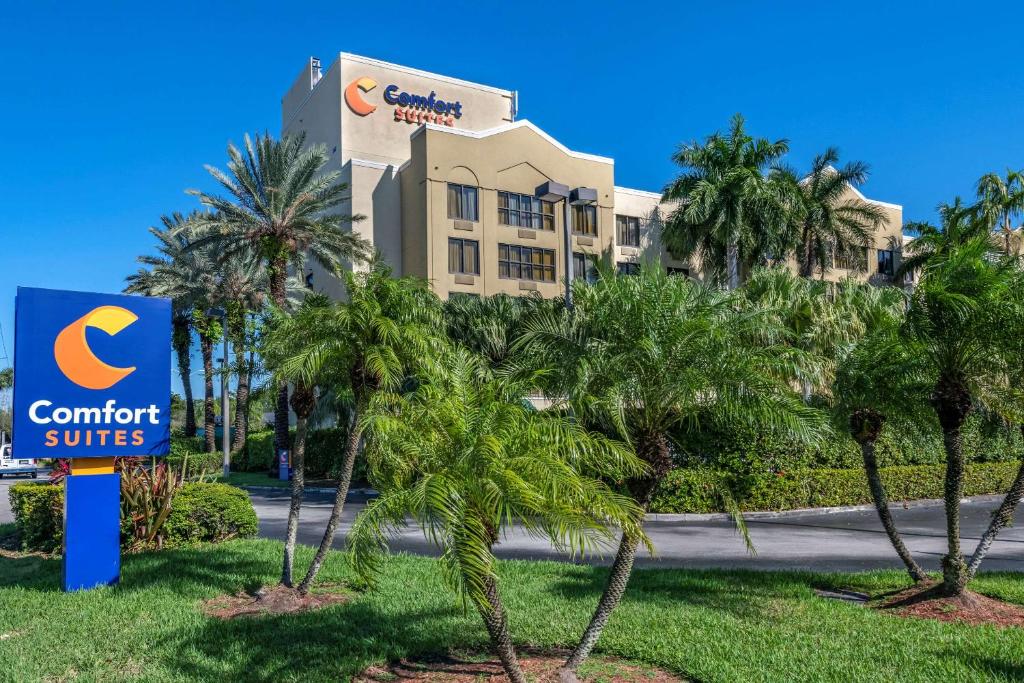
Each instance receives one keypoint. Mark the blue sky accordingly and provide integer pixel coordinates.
(110, 110)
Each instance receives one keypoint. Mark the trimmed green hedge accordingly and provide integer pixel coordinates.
(38, 514)
(199, 512)
(199, 461)
(210, 512)
(700, 489)
(324, 448)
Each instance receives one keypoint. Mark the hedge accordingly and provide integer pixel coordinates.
(199, 512)
(324, 448)
(700, 489)
(199, 460)
(209, 512)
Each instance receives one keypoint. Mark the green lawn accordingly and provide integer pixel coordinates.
(709, 625)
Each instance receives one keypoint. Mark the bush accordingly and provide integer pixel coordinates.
(209, 512)
(699, 489)
(324, 448)
(199, 461)
(39, 515)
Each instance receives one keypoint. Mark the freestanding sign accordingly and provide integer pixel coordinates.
(91, 382)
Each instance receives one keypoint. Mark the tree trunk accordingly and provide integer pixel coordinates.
(241, 397)
(1002, 518)
(951, 401)
(206, 346)
(497, 628)
(732, 265)
(344, 480)
(652, 449)
(183, 351)
(867, 449)
(303, 401)
(278, 278)
(807, 255)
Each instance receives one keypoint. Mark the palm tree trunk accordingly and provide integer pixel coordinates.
(183, 351)
(298, 483)
(653, 449)
(497, 628)
(241, 398)
(278, 278)
(732, 265)
(206, 346)
(1002, 517)
(344, 480)
(807, 255)
(867, 449)
(952, 403)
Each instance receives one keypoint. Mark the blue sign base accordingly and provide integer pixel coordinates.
(92, 530)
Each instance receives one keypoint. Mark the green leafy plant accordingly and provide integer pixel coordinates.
(209, 512)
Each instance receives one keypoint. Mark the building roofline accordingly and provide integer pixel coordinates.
(856, 191)
(522, 123)
(638, 193)
(425, 74)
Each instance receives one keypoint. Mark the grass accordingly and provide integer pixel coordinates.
(707, 625)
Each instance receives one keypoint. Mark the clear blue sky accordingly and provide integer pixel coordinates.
(109, 110)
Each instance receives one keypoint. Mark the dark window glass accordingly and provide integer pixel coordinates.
(525, 211)
(526, 263)
(682, 272)
(584, 220)
(886, 262)
(462, 202)
(625, 268)
(583, 267)
(463, 256)
(627, 231)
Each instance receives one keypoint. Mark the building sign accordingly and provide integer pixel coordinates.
(91, 374)
(409, 107)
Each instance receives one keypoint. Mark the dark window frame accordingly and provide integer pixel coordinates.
(539, 214)
(584, 209)
(463, 243)
(887, 264)
(461, 208)
(627, 230)
(525, 265)
(627, 268)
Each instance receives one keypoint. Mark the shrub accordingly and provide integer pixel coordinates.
(209, 512)
(699, 489)
(199, 461)
(38, 514)
(323, 454)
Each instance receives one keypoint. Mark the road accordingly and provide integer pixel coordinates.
(818, 541)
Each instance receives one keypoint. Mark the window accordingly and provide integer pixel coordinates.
(681, 272)
(627, 231)
(886, 262)
(463, 256)
(462, 202)
(584, 219)
(583, 267)
(525, 211)
(526, 263)
(309, 280)
(852, 258)
(626, 268)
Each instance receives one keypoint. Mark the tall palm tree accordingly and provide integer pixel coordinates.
(465, 459)
(642, 357)
(961, 321)
(189, 278)
(381, 334)
(958, 224)
(728, 211)
(823, 221)
(1000, 200)
(282, 205)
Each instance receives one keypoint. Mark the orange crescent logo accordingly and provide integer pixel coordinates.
(355, 101)
(77, 361)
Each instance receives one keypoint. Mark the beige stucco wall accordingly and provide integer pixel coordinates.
(648, 207)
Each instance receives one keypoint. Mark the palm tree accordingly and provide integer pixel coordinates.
(652, 359)
(189, 278)
(958, 224)
(281, 205)
(728, 212)
(1000, 200)
(490, 326)
(823, 222)
(465, 459)
(961, 322)
(384, 330)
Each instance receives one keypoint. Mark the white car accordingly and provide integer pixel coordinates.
(9, 465)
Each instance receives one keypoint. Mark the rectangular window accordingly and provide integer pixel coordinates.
(583, 267)
(627, 231)
(681, 272)
(525, 211)
(463, 256)
(886, 262)
(526, 263)
(462, 202)
(584, 219)
(852, 258)
(626, 268)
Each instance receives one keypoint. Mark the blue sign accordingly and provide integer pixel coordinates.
(92, 375)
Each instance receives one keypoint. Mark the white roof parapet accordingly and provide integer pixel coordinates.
(522, 123)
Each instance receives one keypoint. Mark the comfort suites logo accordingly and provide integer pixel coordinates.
(77, 361)
(409, 107)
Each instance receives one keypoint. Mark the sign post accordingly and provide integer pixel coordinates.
(91, 383)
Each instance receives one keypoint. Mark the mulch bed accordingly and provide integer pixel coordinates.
(274, 600)
(538, 665)
(926, 602)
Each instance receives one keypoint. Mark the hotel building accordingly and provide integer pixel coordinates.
(446, 178)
